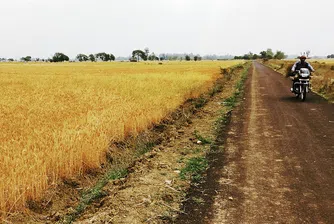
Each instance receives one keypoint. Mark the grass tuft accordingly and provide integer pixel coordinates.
(194, 169)
(94, 193)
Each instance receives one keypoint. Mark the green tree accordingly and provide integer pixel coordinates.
(153, 57)
(247, 56)
(27, 58)
(92, 57)
(270, 53)
(197, 58)
(187, 58)
(103, 56)
(279, 55)
(82, 57)
(112, 57)
(263, 54)
(59, 57)
(139, 54)
(255, 56)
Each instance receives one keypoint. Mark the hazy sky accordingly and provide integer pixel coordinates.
(42, 27)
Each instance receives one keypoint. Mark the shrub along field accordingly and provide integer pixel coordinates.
(57, 120)
(322, 80)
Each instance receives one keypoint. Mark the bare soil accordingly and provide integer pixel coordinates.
(278, 160)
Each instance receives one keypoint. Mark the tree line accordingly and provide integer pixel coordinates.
(145, 55)
(61, 57)
(136, 55)
(266, 55)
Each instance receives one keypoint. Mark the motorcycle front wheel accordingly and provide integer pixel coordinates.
(303, 94)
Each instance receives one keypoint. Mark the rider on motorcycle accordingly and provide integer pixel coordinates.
(298, 65)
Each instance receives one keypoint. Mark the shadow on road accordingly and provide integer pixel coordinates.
(311, 98)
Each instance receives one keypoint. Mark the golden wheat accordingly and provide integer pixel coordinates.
(56, 120)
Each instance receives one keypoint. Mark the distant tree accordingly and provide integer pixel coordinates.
(26, 58)
(91, 57)
(247, 56)
(82, 57)
(255, 56)
(111, 57)
(330, 56)
(270, 53)
(103, 56)
(263, 54)
(153, 57)
(187, 58)
(59, 57)
(10, 59)
(307, 53)
(139, 54)
(279, 55)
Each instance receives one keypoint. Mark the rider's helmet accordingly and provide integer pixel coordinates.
(302, 58)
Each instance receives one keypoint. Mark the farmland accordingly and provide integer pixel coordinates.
(57, 120)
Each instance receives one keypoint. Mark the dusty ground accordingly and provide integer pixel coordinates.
(278, 162)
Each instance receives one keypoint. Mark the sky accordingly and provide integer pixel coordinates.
(40, 28)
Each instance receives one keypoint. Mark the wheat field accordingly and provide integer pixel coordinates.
(57, 120)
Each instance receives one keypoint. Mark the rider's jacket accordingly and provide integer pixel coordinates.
(298, 65)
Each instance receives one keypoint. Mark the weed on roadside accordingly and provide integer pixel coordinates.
(94, 193)
(194, 169)
(198, 200)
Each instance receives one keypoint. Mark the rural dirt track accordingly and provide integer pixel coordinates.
(278, 164)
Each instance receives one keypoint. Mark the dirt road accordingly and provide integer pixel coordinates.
(278, 160)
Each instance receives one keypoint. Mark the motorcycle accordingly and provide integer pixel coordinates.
(301, 84)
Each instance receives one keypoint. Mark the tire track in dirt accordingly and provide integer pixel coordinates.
(279, 157)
